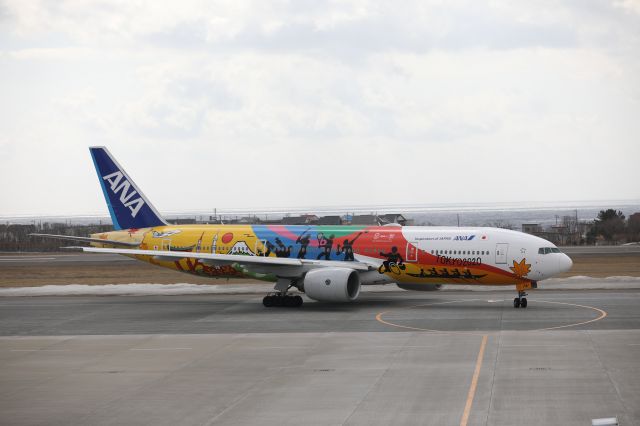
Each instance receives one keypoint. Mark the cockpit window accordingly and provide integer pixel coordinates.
(547, 250)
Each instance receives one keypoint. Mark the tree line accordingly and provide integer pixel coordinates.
(612, 227)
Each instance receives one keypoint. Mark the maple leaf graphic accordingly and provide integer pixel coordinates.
(521, 269)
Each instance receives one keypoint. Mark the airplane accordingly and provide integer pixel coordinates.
(327, 263)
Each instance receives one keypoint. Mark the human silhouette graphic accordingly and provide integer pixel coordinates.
(392, 257)
(325, 244)
(304, 239)
(347, 248)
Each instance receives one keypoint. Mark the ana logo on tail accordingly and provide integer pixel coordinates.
(126, 196)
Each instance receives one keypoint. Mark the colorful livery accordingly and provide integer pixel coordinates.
(328, 263)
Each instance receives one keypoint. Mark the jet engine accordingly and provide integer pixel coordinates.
(420, 287)
(332, 284)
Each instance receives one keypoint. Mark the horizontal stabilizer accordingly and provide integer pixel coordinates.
(86, 239)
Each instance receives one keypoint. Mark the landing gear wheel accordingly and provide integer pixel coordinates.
(523, 302)
(282, 299)
(516, 302)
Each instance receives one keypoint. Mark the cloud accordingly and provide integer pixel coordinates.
(321, 102)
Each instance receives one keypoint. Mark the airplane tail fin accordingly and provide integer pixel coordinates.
(128, 206)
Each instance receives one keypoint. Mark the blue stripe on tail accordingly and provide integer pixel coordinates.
(128, 206)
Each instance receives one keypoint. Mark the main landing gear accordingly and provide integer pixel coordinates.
(521, 300)
(282, 299)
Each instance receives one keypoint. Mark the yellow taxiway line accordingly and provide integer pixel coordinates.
(474, 383)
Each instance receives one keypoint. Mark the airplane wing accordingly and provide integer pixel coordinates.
(87, 240)
(262, 264)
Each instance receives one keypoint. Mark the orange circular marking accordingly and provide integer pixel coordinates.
(379, 316)
(603, 314)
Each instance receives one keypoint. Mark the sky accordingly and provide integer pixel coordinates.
(263, 104)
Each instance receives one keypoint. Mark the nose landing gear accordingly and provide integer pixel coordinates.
(521, 300)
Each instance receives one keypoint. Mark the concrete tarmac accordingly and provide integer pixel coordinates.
(570, 357)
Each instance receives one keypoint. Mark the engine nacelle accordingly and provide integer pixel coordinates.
(420, 287)
(332, 284)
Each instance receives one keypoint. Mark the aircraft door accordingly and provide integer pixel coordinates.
(501, 253)
(166, 244)
(412, 251)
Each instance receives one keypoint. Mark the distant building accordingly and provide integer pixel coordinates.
(365, 219)
(182, 221)
(330, 220)
(305, 219)
(531, 228)
(293, 220)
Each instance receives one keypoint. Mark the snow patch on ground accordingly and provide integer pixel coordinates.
(571, 283)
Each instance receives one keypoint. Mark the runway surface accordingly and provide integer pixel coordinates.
(570, 357)
(485, 311)
(20, 259)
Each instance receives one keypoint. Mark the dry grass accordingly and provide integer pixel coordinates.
(139, 272)
(600, 266)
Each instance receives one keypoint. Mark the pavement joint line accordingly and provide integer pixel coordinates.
(474, 382)
(24, 261)
(139, 388)
(25, 257)
(606, 372)
(532, 346)
(160, 349)
(392, 361)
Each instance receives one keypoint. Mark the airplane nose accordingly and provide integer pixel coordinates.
(565, 263)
